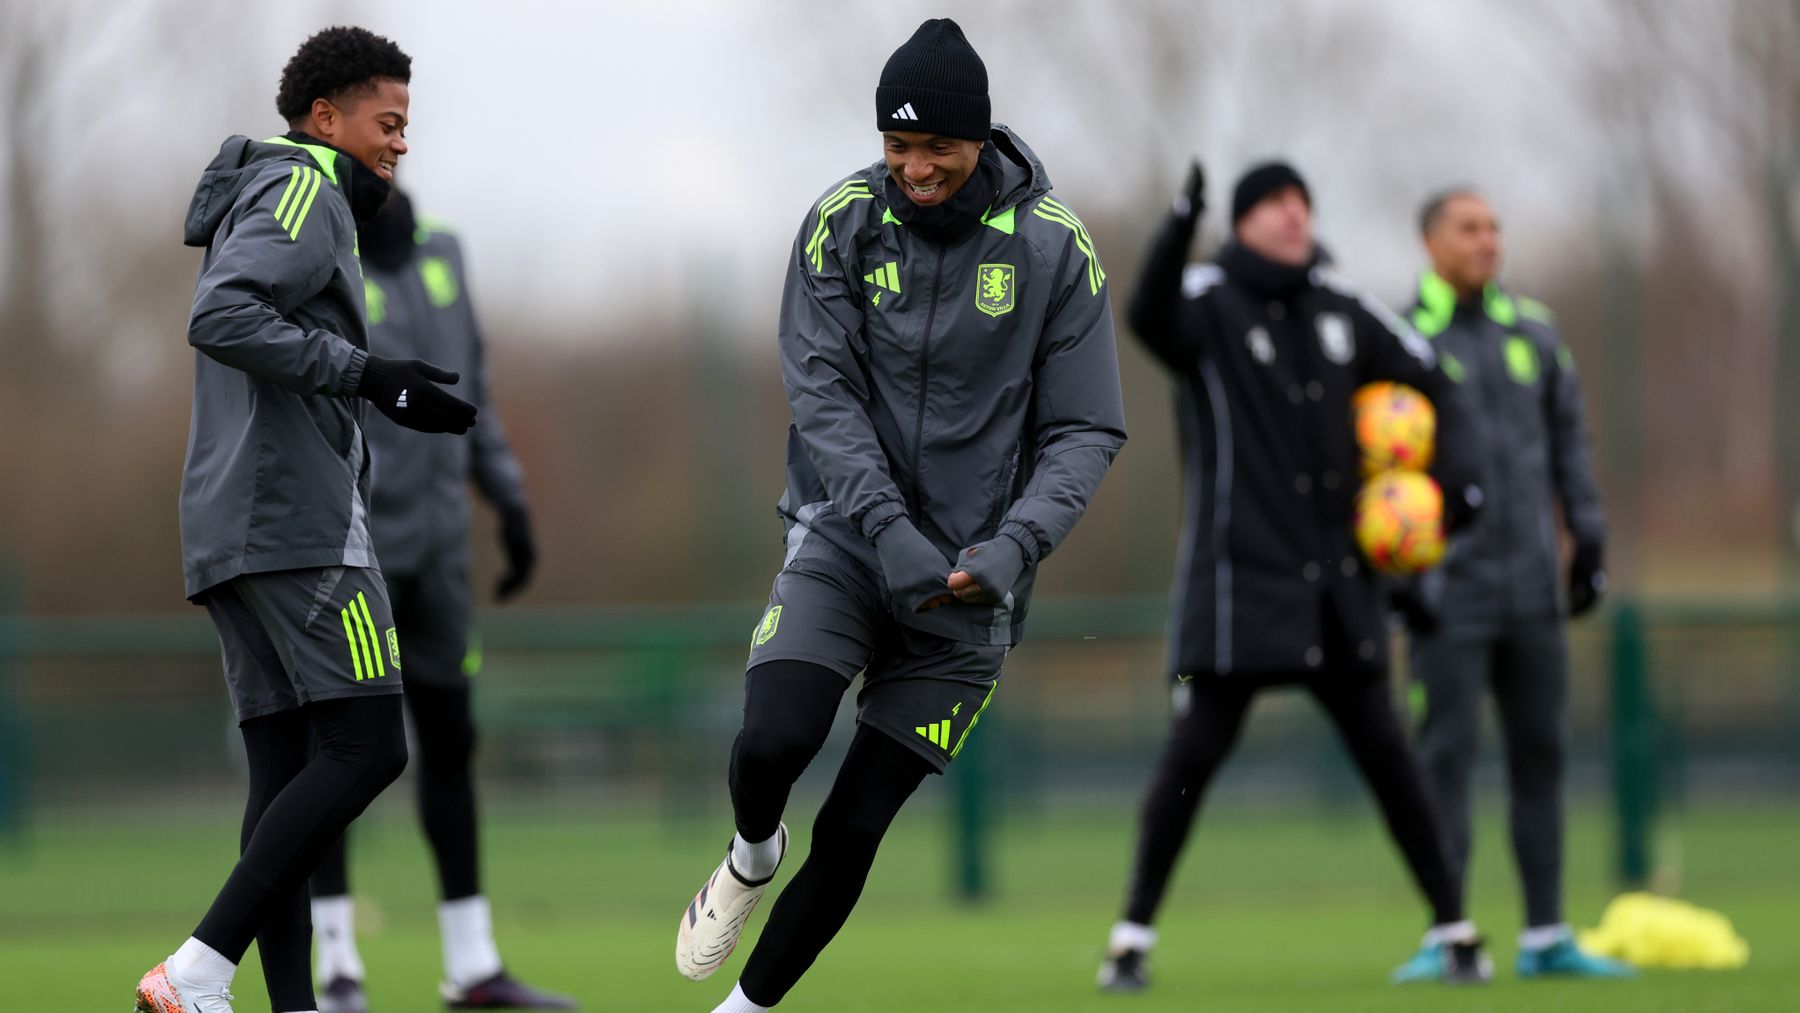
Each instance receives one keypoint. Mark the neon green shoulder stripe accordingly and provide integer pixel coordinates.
(287, 196)
(297, 215)
(839, 199)
(1535, 310)
(1051, 211)
(1437, 305)
(426, 225)
(326, 157)
(297, 199)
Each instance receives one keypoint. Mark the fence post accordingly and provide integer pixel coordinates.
(12, 730)
(1633, 745)
(971, 814)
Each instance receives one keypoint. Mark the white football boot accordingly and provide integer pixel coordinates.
(715, 919)
(162, 992)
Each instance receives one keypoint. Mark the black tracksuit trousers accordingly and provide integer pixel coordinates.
(1205, 728)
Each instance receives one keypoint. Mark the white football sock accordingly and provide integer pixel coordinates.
(736, 1002)
(470, 956)
(1131, 936)
(1542, 937)
(334, 939)
(202, 966)
(1452, 932)
(756, 861)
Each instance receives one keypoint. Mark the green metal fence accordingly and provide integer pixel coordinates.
(642, 701)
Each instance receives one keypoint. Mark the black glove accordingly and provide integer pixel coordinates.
(915, 570)
(1461, 507)
(521, 552)
(1190, 203)
(1416, 610)
(407, 391)
(995, 564)
(1587, 578)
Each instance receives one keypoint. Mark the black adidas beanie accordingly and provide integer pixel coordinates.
(935, 84)
(1262, 181)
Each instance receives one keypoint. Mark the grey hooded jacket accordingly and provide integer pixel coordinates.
(421, 511)
(276, 475)
(972, 387)
(1526, 404)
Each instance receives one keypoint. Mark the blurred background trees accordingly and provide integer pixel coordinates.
(628, 182)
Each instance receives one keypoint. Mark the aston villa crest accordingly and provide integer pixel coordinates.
(1336, 339)
(994, 289)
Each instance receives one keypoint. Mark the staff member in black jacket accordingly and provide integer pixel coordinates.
(1267, 346)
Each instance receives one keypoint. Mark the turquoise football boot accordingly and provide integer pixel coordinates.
(1564, 959)
(1447, 963)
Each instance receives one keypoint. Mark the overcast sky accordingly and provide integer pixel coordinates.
(611, 164)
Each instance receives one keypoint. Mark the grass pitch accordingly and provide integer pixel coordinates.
(1270, 912)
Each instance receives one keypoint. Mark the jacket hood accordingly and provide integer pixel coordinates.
(238, 162)
(1022, 175)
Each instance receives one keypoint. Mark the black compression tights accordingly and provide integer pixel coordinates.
(787, 713)
(1362, 709)
(300, 801)
(444, 731)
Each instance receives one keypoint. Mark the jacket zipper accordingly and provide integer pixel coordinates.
(1493, 401)
(937, 280)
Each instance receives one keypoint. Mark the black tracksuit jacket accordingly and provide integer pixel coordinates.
(1265, 360)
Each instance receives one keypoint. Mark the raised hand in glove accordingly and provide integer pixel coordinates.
(1191, 201)
(521, 552)
(915, 570)
(986, 572)
(1587, 578)
(407, 391)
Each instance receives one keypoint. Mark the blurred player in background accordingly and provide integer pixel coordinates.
(417, 293)
(1491, 617)
(948, 352)
(1267, 346)
(274, 497)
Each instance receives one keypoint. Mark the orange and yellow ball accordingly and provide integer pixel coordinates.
(1400, 522)
(1396, 427)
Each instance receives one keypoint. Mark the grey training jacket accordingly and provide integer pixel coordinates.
(973, 387)
(276, 475)
(1527, 407)
(421, 510)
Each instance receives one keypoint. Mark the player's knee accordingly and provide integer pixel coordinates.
(387, 758)
(1447, 744)
(448, 748)
(775, 746)
(851, 832)
(1536, 759)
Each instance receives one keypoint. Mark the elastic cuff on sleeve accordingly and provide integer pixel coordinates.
(880, 516)
(350, 383)
(1021, 533)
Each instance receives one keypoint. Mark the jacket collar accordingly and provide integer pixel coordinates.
(1258, 273)
(965, 211)
(1437, 305)
(1022, 179)
(366, 191)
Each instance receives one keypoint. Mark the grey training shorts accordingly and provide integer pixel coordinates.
(924, 690)
(294, 637)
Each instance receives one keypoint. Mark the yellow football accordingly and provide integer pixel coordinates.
(1396, 427)
(1400, 522)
